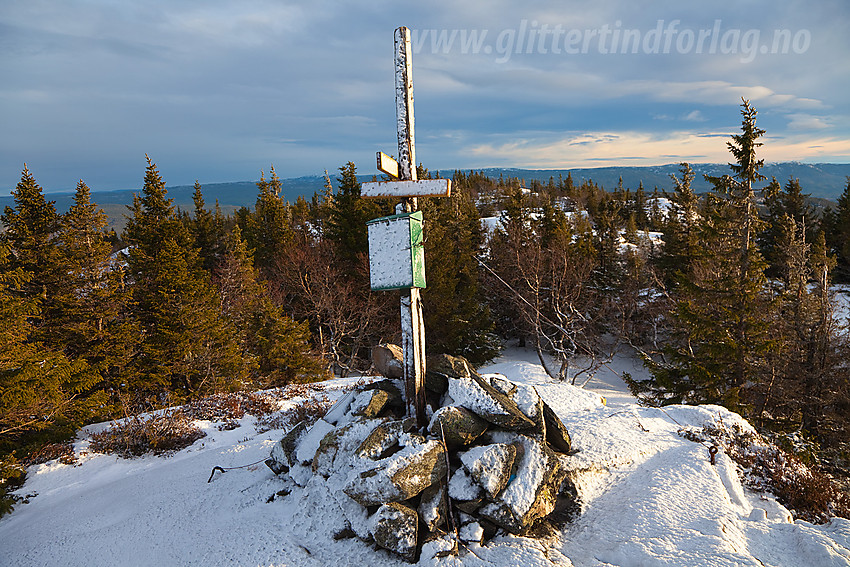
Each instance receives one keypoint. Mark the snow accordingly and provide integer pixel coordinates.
(648, 496)
(462, 487)
(466, 393)
(522, 491)
(842, 303)
(308, 445)
(484, 459)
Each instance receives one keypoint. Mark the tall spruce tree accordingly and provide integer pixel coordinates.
(680, 229)
(207, 229)
(721, 327)
(90, 320)
(276, 347)
(347, 216)
(268, 229)
(784, 201)
(187, 347)
(838, 237)
(31, 227)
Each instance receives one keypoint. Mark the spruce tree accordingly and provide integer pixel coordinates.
(607, 222)
(268, 229)
(276, 347)
(207, 229)
(680, 230)
(347, 217)
(91, 297)
(31, 226)
(839, 235)
(784, 201)
(457, 320)
(187, 347)
(721, 328)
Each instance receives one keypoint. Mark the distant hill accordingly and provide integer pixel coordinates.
(824, 180)
(231, 196)
(821, 180)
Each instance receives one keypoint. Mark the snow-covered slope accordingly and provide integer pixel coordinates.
(649, 497)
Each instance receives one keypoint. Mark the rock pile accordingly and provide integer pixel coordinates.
(491, 458)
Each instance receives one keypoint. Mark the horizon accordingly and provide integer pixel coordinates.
(363, 175)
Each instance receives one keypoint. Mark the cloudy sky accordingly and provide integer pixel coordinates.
(220, 90)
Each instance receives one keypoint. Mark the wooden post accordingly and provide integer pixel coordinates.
(404, 185)
(412, 325)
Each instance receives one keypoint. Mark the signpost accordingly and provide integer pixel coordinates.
(399, 232)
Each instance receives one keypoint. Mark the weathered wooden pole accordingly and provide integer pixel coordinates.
(396, 258)
(412, 325)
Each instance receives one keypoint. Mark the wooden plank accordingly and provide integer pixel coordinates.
(387, 165)
(407, 189)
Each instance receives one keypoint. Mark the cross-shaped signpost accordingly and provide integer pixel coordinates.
(395, 243)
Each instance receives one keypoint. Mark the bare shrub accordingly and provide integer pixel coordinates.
(165, 432)
(64, 452)
(230, 406)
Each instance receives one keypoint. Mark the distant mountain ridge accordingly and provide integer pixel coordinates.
(824, 180)
(821, 180)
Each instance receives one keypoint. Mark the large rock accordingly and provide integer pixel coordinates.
(393, 388)
(339, 411)
(533, 493)
(370, 403)
(283, 453)
(309, 443)
(400, 476)
(490, 466)
(469, 530)
(395, 528)
(502, 384)
(460, 426)
(388, 360)
(441, 368)
(477, 395)
(463, 488)
(450, 366)
(384, 438)
(341, 443)
(533, 406)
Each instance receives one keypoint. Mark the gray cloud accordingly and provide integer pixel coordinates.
(219, 90)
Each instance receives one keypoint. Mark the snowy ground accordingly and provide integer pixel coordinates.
(650, 497)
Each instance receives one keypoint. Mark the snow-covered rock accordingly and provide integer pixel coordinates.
(490, 466)
(401, 476)
(459, 425)
(395, 527)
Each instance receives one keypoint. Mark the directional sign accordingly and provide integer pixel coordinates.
(388, 165)
(404, 189)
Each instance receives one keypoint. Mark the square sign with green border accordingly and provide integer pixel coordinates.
(396, 252)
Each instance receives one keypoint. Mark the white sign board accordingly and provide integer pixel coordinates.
(400, 189)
